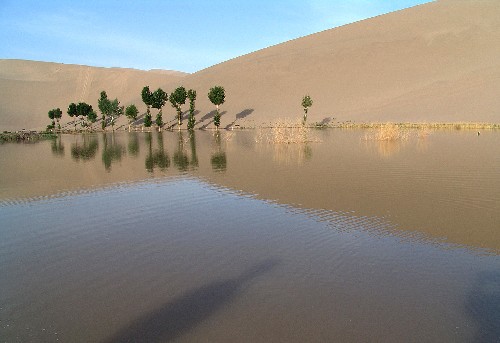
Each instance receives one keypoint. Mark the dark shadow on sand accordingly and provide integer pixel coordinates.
(243, 114)
(177, 317)
(210, 116)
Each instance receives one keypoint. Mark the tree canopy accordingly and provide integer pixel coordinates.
(217, 95)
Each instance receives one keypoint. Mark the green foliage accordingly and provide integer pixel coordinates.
(217, 96)
(104, 104)
(177, 99)
(83, 109)
(72, 109)
(158, 98)
(191, 94)
(217, 119)
(103, 122)
(56, 114)
(146, 96)
(148, 120)
(92, 116)
(131, 112)
(159, 120)
(306, 103)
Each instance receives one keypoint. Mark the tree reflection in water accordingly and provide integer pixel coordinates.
(133, 144)
(85, 150)
(112, 150)
(57, 146)
(181, 159)
(158, 158)
(218, 158)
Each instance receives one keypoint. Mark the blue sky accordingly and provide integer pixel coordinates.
(177, 35)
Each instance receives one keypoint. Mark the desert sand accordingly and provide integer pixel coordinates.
(436, 62)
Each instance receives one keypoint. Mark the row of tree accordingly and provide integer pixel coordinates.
(177, 98)
(111, 109)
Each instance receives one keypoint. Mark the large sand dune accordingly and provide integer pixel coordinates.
(437, 62)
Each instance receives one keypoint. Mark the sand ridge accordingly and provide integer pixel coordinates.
(436, 62)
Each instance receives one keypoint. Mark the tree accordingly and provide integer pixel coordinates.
(72, 112)
(115, 111)
(105, 107)
(131, 113)
(147, 99)
(217, 96)
(158, 100)
(306, 103)
(55, 114)
(191, 94)
(51, 116)
(177, 99)
(92, 116)
(83, 110)
(147, 120)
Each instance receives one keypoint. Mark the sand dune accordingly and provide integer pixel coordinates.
(436, 62)
(28, 89)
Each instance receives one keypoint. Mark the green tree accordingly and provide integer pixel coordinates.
(51, 116)
(55, 114)
(306, 103)
(191, 94)
(72, 112)
(92, 117)
(131, 112)
(147, 99)
(158, 100)
(177, 99)
(83, 110)
(115, 111)
(105, 107)
(217, 96)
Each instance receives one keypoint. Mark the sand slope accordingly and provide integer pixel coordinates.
(436, 62)
(28, 89)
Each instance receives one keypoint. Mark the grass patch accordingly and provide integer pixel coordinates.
(25, 136)
(388, 132)
(285, 131)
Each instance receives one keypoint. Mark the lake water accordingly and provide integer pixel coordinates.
(160, 237)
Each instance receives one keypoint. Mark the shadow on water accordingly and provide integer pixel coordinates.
(177, 317)
(483, 306)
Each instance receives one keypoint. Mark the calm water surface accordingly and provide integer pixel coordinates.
(162, 237)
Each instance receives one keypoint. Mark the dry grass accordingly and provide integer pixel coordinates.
(419, 126)
(285, 131)
(388, 132)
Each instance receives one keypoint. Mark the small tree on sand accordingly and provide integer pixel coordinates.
(55, 114)
(191, 94)
(72, 112)
(177, 99)
(217, 96)
(105, 107)
(158, 100)
(306, 103)
(148, 100)
(131, 112)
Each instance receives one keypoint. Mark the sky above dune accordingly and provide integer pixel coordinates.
(176, 35)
